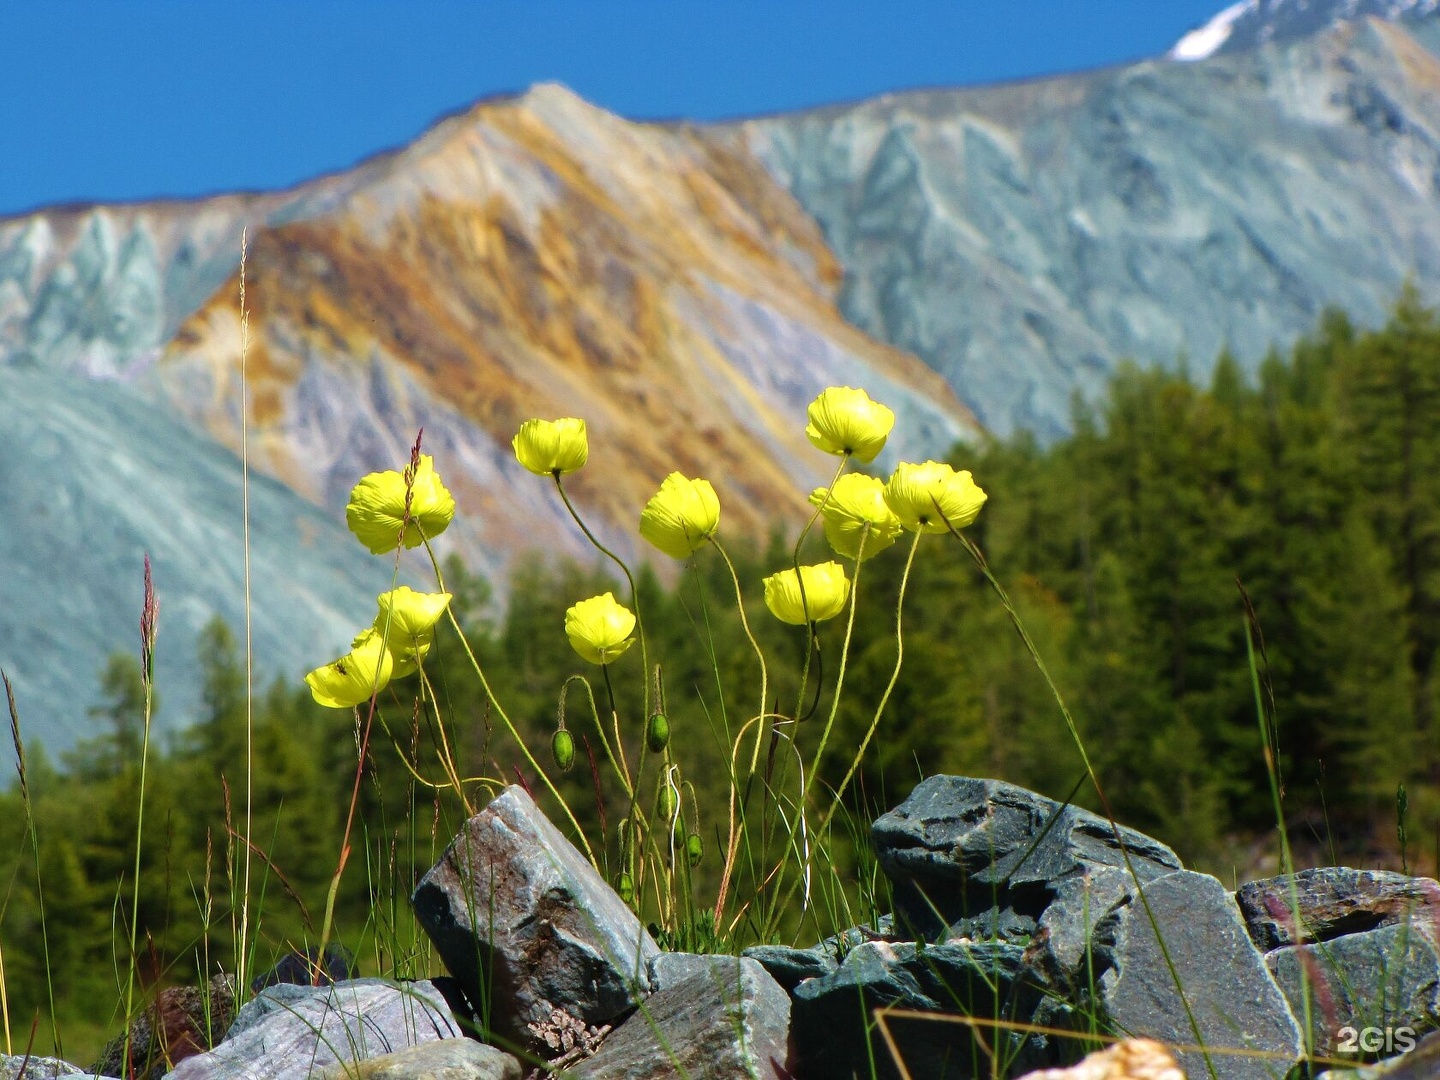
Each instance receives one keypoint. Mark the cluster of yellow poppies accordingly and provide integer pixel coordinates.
(386, 510)
(862, 516)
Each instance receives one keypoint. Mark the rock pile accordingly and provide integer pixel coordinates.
(1013, 913)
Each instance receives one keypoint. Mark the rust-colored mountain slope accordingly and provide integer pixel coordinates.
(540, 257)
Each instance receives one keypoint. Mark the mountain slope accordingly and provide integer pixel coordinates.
(92, 479)
(1024, 238)
(529, 257)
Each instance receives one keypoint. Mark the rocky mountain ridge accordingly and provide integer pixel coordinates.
(983, 252)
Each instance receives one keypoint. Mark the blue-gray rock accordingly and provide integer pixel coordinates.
(1098, 947)
(290, 1030)
(836, 1037)
(445, 1059)
(21, 1067)
(528, 927)
(1334, 900)
(725, 1019)
(982, 858)
(1385, 978)
(790, 966)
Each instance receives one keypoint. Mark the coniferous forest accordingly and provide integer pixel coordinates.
(1309, 494)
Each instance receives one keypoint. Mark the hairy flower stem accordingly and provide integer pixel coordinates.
(505, 717)
(733, 843)
(884, 698)
(634, 592)
(800, 580)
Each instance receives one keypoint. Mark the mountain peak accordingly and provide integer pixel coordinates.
(1250, 24)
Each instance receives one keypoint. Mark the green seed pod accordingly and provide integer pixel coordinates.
(694, 848)
(625, 886)
(657, 733)
(562, 748)
(666, 803)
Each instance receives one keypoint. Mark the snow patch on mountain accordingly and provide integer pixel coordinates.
(1205, 40)
(1253, 23)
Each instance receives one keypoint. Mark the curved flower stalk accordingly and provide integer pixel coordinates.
(845, 421)
(552, 447)
(387, 509)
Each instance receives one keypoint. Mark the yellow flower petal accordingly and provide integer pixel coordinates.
(599, 629)
(844, 420)
(924, 497)
(552, 447)
(681, 516)
(856, 507)
(407, 619)
(826, 590)
(377, 508)
(350, 680)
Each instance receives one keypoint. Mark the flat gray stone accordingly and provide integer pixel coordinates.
(982, 858)
(835, 1035)
(528, 928)
(1387, 978)
(1331, 901)
(445, 1059)
(725, 1018)
(38, 1068)
(289, 1030)
(1235, 1002)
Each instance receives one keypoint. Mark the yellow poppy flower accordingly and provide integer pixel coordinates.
(681, 516)
(350, 680)
(855, 502)
(552, 447)
(377, 508)
(599, 629)
(924, 497)
(407, 619)
(844, 420)
(826, 590)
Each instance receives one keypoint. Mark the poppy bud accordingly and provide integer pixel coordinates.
(562, 748)
(657, 733)
(694, 848)
(625, 886)
(666, 803)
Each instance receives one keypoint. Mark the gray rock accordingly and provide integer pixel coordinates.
(528, 928)
(1334, 900)
(1385, 978)
(726, 1019)
(21, 1067)
(836, 1037)
(789, 966)
(1123, 972)
(445, 1059)
(290, 1030)
(982, 858)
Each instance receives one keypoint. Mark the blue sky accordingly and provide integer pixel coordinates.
(129, 99)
